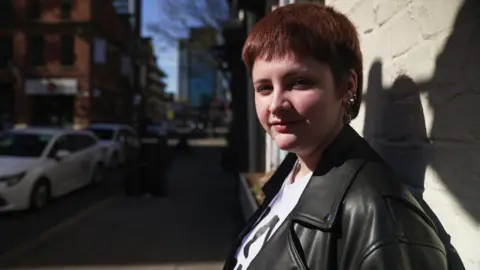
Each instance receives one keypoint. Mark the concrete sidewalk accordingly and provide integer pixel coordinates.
(191, 228)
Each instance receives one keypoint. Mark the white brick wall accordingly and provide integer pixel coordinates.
(428, 128)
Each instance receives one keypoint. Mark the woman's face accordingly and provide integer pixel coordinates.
(297, 102)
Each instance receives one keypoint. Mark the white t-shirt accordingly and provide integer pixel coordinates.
(279, 208)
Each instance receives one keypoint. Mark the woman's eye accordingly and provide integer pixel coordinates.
(301, 84)
(264, 88)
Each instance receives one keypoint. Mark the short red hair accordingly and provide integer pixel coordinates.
(308, 30)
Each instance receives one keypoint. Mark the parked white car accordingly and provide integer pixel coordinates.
(121, 142)
(37, 164)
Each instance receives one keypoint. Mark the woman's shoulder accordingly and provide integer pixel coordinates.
(375, 183)
(377, 199)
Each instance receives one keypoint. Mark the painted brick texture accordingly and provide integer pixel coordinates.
(422, 102)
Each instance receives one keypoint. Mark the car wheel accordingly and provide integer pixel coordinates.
(40, 195)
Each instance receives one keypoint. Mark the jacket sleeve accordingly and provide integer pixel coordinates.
(388, 235)
(403, 256)
(454, 260)
(383, 227)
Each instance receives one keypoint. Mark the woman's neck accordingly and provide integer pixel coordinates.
(308, 161)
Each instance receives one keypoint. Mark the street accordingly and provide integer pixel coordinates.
(192, 227)
(19, 227)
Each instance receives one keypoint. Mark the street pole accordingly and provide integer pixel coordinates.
(251, 115)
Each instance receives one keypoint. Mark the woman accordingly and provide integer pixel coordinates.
(332, 203)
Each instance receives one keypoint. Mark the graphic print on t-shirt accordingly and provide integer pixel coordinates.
(274, 215)
(267, 228)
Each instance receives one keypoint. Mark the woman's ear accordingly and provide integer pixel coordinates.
(349, 95)
(350, 86)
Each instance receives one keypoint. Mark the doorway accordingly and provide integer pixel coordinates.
(53, 110)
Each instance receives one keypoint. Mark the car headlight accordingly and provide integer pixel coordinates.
(12, 180)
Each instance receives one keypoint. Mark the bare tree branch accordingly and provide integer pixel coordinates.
(180, 15)
(177, 19)
(168, 36)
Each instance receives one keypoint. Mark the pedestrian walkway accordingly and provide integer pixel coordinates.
(191, 228)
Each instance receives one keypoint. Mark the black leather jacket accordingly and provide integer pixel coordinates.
(353, 214)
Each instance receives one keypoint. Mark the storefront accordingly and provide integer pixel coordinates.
(52, 101)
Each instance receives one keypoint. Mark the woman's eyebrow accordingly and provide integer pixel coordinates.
(262, 80)
(288, 75)
(295, 73)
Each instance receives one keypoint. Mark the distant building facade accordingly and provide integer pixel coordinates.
(64, 63)
(156, 101)
(199, 77)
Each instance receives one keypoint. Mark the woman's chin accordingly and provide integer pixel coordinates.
(286, 142)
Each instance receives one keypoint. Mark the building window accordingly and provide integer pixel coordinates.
(126, 68)
(66, 9)
(67, 57)
(36, 50)
(99, 51)
(6, 10)
(6, 51)
(121, 6)
(34, 9)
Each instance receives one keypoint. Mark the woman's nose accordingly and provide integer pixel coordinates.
(279, 103)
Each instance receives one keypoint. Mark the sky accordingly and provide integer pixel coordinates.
(166, 50)
(168, 55)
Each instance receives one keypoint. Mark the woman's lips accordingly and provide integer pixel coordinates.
(284, 127)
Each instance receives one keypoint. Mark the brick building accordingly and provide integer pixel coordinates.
(64, 61)
(153, 91)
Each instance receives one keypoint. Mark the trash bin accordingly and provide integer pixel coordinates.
(152, 166)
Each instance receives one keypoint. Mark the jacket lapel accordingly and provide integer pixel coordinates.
(322, 197)
(270, 189)
(341, 161)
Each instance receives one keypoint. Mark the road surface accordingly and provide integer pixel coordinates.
(192, 227)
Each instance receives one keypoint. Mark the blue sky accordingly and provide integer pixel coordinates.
(167, 52)
(168, 56)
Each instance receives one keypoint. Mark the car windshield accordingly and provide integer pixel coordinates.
(103, 133)
(23, 145)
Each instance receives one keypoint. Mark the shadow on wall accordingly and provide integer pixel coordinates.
(395, 123)
(395, 126)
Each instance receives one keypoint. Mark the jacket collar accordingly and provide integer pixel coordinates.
(320, 202)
